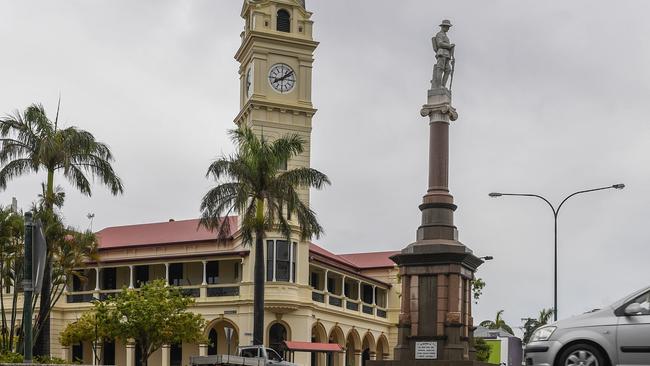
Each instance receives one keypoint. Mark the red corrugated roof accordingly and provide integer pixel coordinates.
(312, 347)
(357, 260)
(184, 231)
(370, 260)
(171, 232)
(327, 254)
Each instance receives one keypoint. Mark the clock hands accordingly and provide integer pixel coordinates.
(275, 80)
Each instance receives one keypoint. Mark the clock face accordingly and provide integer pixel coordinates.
(282, 78)
(249, 82)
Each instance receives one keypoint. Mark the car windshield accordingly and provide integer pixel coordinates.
(628, 297)
(249, 352)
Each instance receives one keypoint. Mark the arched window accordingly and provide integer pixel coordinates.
(277, 335)
(284, 21)
(212, 347)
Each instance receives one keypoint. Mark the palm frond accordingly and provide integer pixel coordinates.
(304, 178)
(287, 147)
(15, 168)
(31, 135)
(78, 179)
(255, 166)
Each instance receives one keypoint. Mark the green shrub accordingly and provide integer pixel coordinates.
(50, 360)
(11, 357)
(482, 349)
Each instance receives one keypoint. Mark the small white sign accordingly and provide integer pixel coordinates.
(426, 350)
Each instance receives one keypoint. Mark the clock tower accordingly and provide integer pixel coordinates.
(276, 56)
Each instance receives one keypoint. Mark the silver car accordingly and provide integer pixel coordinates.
(616, 335)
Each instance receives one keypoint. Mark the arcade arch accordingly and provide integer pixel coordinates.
(216, 333)
(367, 348)
(352, 348)
(383, 350)
(318, 335)
(336, 336)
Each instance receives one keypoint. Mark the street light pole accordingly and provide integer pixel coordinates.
(556, 211)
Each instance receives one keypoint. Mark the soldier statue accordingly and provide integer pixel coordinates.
(445, 60)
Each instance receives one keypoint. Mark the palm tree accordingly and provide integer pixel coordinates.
(531, 324)
(497, 323)
(31, 142)
(252, 184)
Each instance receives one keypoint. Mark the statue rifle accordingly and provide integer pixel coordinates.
(453, 67)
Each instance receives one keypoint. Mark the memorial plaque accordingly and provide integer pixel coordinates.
(426, 350)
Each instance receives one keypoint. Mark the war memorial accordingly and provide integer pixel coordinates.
(435, 321)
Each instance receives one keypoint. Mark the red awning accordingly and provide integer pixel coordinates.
(312, 347)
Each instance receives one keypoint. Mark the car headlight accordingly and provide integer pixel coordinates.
(542, 334)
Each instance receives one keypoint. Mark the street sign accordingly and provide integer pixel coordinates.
(229, 332)
(39, 254)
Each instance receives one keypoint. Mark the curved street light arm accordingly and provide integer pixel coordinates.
(579, 192)
(534, 195)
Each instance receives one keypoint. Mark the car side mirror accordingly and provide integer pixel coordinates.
(633, 309)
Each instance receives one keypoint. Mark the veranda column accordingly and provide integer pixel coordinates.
(165, 359)
(203, 349)
(359, 296)
(131, 276)
(205, 276)
(204, 284)
(65, 353)
(130, 353)
(97, 287)
(325, 289)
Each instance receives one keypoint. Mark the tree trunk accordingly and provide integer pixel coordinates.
(144, 355)
(42, 342)
(258, 297)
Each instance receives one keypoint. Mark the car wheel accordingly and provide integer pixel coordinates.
(582, 355)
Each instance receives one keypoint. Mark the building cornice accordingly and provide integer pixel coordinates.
(280, 37)
(159, 259)
(254, 103)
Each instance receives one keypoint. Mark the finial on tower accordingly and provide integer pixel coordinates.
(443, 71)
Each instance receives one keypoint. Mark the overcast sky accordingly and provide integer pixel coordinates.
(553, 97)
